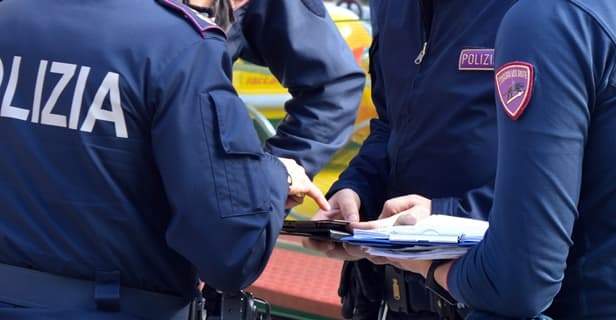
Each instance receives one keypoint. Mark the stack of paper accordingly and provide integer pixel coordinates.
(436, 237)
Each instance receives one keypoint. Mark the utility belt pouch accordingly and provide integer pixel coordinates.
(395, 290)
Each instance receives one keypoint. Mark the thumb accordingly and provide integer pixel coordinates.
(396, 205)
(367, 225)
(374, 224)
(332, 214)
(406, 218)
(411, 216)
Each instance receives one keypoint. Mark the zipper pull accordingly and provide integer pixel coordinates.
(422, 53)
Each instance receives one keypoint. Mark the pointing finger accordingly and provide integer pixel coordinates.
(318, 197)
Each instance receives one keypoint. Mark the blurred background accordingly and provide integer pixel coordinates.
(300, 283)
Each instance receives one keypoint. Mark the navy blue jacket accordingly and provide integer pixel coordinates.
(552, 234)
(436, 131)
(303, 49)
(125, 148)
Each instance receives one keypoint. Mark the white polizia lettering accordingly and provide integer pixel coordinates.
(78, 97)
(42, 110)
(38, 91)
(7, 110)
(111, 87)
(67, 71)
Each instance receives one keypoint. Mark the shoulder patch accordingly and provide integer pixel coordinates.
(315, 6)
(514, 84)
(201, 25)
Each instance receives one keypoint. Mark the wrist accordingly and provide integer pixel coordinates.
(425, 269)
(436, 284)
(441, 273)
(287, 163)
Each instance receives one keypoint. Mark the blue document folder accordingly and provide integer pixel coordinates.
(446, 236)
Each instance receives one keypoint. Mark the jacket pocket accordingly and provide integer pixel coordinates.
(238, 158)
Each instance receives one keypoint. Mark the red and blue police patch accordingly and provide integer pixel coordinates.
(514, 84)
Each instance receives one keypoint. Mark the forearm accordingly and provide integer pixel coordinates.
(441, 274)
(319, 122)
(368, 171)
(210, 203)
(201, 222)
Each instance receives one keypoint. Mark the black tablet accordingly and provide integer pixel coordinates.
(320, 229)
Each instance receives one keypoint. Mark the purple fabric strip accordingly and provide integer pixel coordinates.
(200, 27)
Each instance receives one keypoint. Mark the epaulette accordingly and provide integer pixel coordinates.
(198, 22)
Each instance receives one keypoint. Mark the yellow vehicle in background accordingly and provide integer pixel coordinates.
(265, 98)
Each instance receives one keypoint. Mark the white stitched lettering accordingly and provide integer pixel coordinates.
(99, 109)
(111, 87)
(47, 117)
(7, 110)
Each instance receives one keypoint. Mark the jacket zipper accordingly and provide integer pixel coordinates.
(422, 53)
(418, 61)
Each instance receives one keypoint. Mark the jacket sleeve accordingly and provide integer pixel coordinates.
(325, 82)
(226, 194)
(518, 269)
(475, 204)
(367, 173)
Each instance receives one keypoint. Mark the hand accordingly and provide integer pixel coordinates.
(301, 186)
(335, 250)
(344, 205)
(405, 210)
(350, 252)
(415, 206)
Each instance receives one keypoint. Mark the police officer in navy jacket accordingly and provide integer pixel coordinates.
(433, 147)
(550, 246)
(129, 168)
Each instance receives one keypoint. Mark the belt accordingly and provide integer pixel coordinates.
(35, 289)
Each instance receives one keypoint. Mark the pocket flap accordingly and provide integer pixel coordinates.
(236, 129)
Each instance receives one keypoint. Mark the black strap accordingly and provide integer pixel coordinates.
(434, 287)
